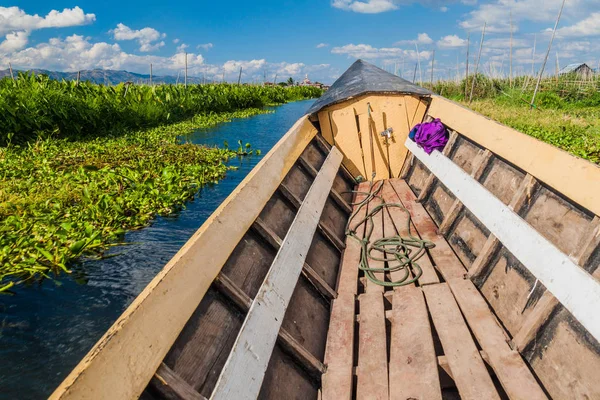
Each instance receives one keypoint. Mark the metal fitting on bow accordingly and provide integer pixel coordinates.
(387, 133)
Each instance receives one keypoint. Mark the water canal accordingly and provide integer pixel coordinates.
(47, 328)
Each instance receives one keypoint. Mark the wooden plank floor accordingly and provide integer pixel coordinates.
(433, 339)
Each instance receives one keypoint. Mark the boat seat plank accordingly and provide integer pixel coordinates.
(377, 233)
(243, 373)
(171, 386)
(413, 363)
(468, 370)
(445, 259)
(372, 372)
(339, 352)
(515, 377)
(399, 217)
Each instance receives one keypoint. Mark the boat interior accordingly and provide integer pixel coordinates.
(267, 299)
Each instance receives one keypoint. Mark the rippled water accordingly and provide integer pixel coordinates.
(46, 329)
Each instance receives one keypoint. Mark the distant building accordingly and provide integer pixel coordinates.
(582, 70)
(307, 82)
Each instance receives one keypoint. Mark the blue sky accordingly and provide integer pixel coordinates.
(293, 38)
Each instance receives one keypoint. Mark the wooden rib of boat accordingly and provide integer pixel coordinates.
(266, 299)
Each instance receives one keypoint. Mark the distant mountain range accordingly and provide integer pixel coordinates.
(106, 76)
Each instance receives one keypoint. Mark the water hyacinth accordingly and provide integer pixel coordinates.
(61, 199)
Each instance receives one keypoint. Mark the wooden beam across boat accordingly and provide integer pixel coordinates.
(243, 373)
(130, 352)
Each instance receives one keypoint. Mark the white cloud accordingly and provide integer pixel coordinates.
(205, 46)
(422, 38)
(181, 48)
(367, 7)
(146, 37)
(450, 42)
(16, 24)
(369, 52)
(379, 6)
(15, 19)
(443, 9)
(247, 66)
(497, 13)
(321, 45)
(14, 41)
(589, 26)
(76, 53)
(175, 41)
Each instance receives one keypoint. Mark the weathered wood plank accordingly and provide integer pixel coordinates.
(514, 375)
(287, 341)
(399, 219)
(547, 303)
(574, 287)
(335, 196)
(413, 363)
(121, 364)
(468, 370)
(172, 387)
(520, 199)
(376, 233)
(446, 262)
(328, 233)
(339, 353)
(372, 373)
(244, 371)
(480, 165)
(313, 277)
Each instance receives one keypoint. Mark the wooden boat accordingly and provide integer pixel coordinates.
(267, 301)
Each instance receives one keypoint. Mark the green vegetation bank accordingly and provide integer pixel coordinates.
(82, 164)
(566, 112)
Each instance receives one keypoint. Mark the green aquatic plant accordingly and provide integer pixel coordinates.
(63, 199)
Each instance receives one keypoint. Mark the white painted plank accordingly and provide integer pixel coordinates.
(245, 368)
(575, 288)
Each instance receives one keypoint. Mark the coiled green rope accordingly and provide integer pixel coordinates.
(400, 253)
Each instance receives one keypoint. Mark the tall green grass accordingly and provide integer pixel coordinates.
(36, 106)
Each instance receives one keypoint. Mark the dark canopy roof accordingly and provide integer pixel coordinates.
(362, 78)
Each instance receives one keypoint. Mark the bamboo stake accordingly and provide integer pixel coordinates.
(510, 76)
(415, 74)
(432, 65)
(150, 74)
(533, 55)
(537, 85)
(11, 71)
(457, 70)
(240, 76)
(557, 67)
(78, 78)
(477, 64)
(185, 76)
(419, 64)
(467, 67)
(403, 64)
